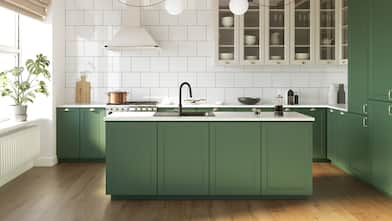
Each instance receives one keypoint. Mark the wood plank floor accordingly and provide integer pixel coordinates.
(74, 191)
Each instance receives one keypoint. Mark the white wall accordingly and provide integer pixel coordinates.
(187, 55)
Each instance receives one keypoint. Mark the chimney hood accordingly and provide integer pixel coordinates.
(132, 35)
(129, 37)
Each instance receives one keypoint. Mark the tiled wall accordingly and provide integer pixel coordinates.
(187, 51)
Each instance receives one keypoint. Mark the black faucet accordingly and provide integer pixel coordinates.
(190, 95)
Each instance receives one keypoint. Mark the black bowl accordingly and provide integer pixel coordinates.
(249, 100)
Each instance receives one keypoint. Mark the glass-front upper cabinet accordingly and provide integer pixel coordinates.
(227, 36)
(252, 35)
(302, 31)
(277, 31)
(344, 32)
(327, 36)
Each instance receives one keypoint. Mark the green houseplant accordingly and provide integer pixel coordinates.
(23, 87)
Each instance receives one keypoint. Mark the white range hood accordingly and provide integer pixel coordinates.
(132, 35)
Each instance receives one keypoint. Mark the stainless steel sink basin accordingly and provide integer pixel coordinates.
(184, 114)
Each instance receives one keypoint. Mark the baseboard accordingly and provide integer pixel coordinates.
(46, 162)
(16, 172)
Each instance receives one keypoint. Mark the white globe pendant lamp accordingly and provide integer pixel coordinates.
(239, 7)
(174, 7)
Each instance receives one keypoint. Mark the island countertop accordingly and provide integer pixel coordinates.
(219, 116)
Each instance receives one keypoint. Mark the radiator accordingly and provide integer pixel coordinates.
(18, 150)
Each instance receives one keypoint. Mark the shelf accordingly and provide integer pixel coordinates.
(327, 46)
(327, 10)
(302, 10)
(302, 28)
(252, 28)
(327, 28)
(226, 46)
(302, 46)
(277, 28)
(252, 46)
(276, 10)
(276, 46)
(226, 28)
(224, 10)
(345, 45)
(253, 10)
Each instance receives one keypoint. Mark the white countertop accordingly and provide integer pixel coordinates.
(219, 116)
(337, 107)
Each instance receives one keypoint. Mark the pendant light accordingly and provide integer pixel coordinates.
(174, 7)
(239, 7)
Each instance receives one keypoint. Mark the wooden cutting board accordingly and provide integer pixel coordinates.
(83, 91)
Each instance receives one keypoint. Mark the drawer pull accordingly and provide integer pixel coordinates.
(312, 109)
(390, 94)
(365, 122)
(215, 109)
(287, 109)
(390, 110)
(66, 110)
(92, 109)
(364, 108)
(331, 111)
(342, 113)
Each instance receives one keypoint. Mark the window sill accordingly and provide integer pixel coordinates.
(9, 126)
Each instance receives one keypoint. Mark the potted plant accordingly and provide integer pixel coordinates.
(24, 88)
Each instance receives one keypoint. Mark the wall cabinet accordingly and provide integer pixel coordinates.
(80, 134)
(284, 168)
(358, 67)
(235, 144)
(381, 46)
(183, 154)
(283, 32)
(380, 125)
(131, 159)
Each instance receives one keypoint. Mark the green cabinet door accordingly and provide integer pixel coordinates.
(381, 47)
(235, 158)
(183, 151)
(131, 158)
(342, 141)
(92, 133)
(287, 158)
(332, 127)
(359, 48)
(380, 126)
(359, 151)
(319, 132)
(67, 133)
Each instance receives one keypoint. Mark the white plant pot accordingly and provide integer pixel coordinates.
(19, 113)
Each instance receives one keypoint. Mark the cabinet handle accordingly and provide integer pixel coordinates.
(342, 113)
(287, 109)
(364, 109)
(331, 111)
(66, 110)
(312, 109)
(92, 109)
(390, 110)
(215, 109)
(365, 122)
(390, 94)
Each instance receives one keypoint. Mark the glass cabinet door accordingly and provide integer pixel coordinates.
(227, 40)
(344, 32)
(252, 35)
(302, 29)
(277, 36)
(327, 31)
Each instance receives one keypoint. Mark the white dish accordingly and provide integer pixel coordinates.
(251, 58)
(228, 21)
(250, 39)
(226, 56)
(302, 56)
(276, 57)
(327, 41)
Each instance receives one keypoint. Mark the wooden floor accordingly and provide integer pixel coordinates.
(73, 192)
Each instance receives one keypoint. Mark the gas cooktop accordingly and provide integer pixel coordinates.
(137, 103)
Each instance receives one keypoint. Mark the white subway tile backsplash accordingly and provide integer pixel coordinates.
(186, 54)
(141, 64)
(197, 33)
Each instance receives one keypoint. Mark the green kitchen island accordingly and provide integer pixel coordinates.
(229, 155)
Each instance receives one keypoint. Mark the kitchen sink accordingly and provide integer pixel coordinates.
(184, 114)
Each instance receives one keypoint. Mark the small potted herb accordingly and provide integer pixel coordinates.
(24, 88)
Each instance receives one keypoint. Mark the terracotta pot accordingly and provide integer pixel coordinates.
(117, 97)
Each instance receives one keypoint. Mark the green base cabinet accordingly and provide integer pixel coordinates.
(80, 134)
(92, 138)
(183, 153)
(67, 133)
(380, 125)
(235, 158)
(286, 158)
(131, 166)
(319, 132)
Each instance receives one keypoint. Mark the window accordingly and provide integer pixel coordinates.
(9, 49)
